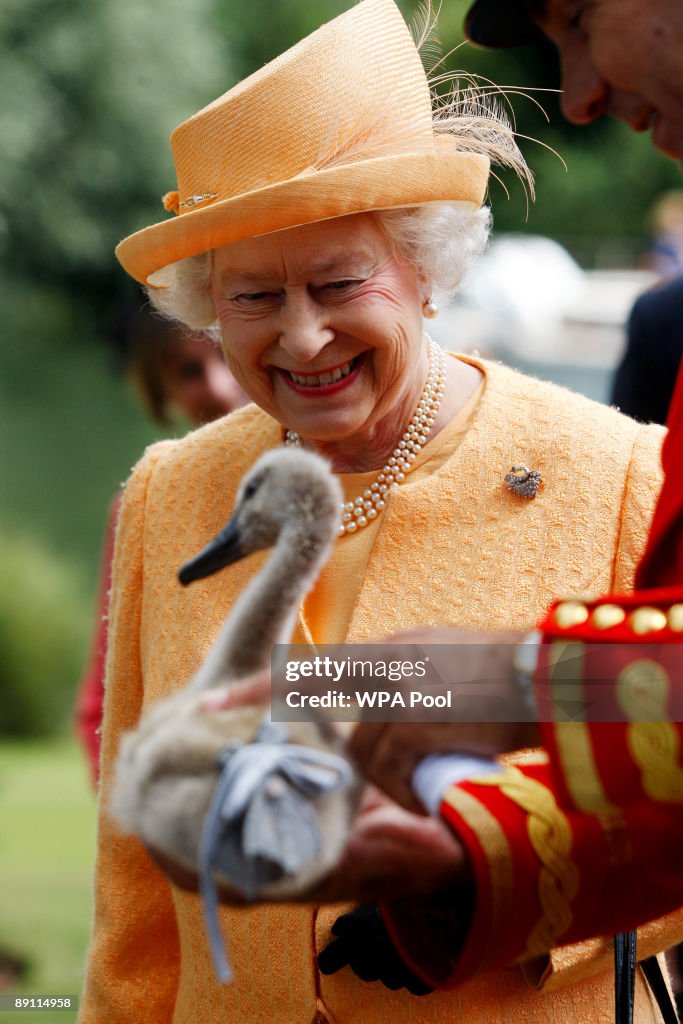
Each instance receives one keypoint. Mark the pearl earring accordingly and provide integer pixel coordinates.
(429, 309)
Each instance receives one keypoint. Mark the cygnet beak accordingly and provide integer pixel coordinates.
(223, 550)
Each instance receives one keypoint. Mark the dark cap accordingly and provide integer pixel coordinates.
(501, 24)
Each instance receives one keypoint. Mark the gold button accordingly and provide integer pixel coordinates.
(570, 613)
(675, 618)
(607, 615)
(647, 620)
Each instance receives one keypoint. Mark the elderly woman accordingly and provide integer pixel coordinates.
(320, 204)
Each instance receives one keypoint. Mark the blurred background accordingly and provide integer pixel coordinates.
(92, 92)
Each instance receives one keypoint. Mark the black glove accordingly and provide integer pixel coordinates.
(363, 944)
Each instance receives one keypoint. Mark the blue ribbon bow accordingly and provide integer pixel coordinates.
(261, 825)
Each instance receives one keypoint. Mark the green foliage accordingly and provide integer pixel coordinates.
(69, 430)
(46, 862)
(259, 30)
(597, 212)
(92, 91)
(44, 623)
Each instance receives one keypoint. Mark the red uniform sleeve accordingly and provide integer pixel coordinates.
(545, 877)
(609, 691)
(610, 679)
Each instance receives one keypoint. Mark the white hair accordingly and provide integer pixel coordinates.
(439, 239)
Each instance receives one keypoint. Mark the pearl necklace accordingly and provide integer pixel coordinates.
(360, 512)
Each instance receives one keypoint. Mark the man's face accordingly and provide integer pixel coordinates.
(623, 58)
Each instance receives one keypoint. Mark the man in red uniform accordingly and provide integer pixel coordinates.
(592, 837)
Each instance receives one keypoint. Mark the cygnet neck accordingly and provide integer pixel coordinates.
(265, 613)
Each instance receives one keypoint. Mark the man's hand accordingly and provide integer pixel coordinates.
(390, 853)
(480, 677)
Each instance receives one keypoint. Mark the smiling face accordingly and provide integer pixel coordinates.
(322, 327)
(623, 58)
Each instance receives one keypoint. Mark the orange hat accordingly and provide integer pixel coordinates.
(339, 124)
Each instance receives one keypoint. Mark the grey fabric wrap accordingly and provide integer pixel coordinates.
(262, 825)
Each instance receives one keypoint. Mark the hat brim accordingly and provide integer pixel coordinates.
(376, 184)
(501, 24)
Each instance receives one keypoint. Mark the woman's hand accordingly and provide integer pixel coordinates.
(253, 690)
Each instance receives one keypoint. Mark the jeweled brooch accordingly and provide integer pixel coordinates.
(523, 481)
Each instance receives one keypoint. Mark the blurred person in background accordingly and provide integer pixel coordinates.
(645, 378)
(665, 255)
(179, 375)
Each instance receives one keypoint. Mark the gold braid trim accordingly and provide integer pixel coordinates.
(642, 692)
(566, 663)
(655, 747)
(551, 838)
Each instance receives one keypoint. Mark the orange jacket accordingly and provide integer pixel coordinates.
(456, 548)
